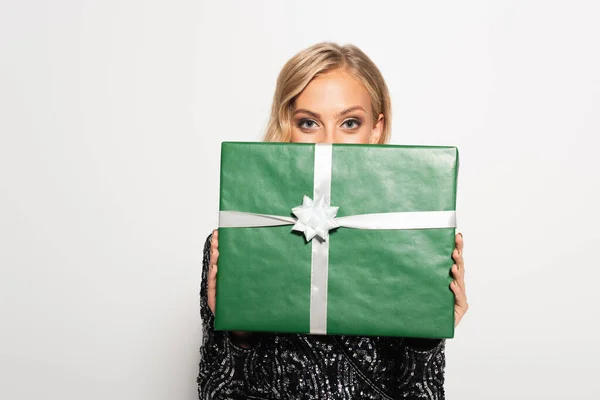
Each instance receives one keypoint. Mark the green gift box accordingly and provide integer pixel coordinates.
(336, 239)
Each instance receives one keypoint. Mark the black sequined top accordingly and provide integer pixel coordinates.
(293, 366)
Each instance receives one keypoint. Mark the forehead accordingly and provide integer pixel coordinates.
(332, 92)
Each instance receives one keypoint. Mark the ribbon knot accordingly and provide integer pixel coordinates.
(315, 218)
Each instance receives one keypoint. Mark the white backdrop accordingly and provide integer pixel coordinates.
(111, 117)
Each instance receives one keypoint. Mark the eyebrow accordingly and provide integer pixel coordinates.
(340, 114)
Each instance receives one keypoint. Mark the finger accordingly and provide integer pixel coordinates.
(458, 275)
(212, 279)
(459, 295)
(459, 241)
(214, 242)
(458, 259)
(214, 256)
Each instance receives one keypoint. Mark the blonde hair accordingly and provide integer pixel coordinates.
(320, 58)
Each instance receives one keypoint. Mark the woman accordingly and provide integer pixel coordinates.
(326, 93)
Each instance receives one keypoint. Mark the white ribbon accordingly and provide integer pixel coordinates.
(320, 244)
(393, 220)
(319, 268)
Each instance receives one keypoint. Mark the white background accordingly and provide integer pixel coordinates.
(111, 117)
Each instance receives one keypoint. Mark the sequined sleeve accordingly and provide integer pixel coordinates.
(422, 372)
(220, 360)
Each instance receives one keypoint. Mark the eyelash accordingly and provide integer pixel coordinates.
(356, 122)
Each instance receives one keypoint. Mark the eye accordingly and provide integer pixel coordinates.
(352, 124)
(307, 124)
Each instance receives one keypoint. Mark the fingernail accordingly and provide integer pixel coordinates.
(460, 233)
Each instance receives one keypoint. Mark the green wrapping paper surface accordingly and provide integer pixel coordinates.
(381, 282)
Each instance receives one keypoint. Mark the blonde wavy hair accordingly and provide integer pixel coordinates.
(320, 58)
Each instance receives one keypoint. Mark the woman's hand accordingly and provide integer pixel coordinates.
(212, 271)
(458, 284)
